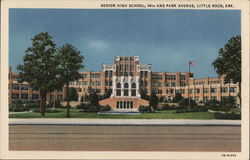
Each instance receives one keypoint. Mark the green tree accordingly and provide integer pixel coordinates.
(143, 94)
(73, 95)
(70, 62)
(94, 99)
(40, 67)
(153, 100)
(178, 97)
(185, 102)
(228, 62)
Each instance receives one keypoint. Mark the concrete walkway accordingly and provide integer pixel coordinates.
(123, 122)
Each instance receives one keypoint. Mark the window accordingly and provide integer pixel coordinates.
(131, 67)
(205, 99)
(106, 74)
(131, 73)
(118, 92)
(24, 87)
(214, 82)
(213, 90)
(182, 84)
(15, 96)
(214, 97)
(133, 92)
(95, 76)
(83, 76)
(224, 90)
(172, 84)
(24, 96)
(117, 104)
(126, 74)
(141, 74)
(167, 85)
(197, 99)
(177, 91)
(15, 86)
(106, 83)
(118, 85)
(182, 91)
(34, 96)
(233, 89)
(126, 85)
(146, 74)
(131, 104)
(171, 91)
(159, 91)
(190, 90)
(128, 104)
(170, 77)
(133, 85)
(205, 90)
(182, 77)
(197, 90)
(125, 92)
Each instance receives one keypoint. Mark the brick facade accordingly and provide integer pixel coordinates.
(127, 78)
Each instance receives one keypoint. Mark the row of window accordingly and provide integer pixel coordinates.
(144, 74)
(125, 92)
(210, 82)
(126, 85)
(126, 67)
(124, 104)
(197, 90)
(206, 98)
(108, 74)
(23, 96)
(126, 74)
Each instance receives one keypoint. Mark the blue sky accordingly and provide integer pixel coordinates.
(167, 39)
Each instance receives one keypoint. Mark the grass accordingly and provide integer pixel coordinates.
(167, 114)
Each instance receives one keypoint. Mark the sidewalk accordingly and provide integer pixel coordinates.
(124, 122)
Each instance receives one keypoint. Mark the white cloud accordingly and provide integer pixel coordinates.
(97, 44)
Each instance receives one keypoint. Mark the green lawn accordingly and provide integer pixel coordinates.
(158, 115)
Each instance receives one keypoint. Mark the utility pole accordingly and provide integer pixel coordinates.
(190, 63)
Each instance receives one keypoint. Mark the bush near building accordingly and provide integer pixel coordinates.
(90, 108)
(145, 109)
(21, 106)
(18, 106)
(224, 105)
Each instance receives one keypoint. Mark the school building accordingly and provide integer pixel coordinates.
(126, 79)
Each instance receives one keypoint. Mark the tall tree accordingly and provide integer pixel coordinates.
(40, 66)
(73, 95)
(153, 100)
(178, 97)
(70, 62)
(228, 62)
(94, 99)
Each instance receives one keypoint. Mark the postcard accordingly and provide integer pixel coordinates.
(125, 79)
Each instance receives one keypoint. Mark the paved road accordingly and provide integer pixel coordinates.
(125, 138)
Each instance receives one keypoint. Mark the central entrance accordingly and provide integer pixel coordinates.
(124, 104)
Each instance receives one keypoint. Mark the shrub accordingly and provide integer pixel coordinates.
(168, 107)
(81, 106)
(57, 104)
(47, 110)
(225, 105)
(18, 106)
(227, 116)
(105, 108)
(185, 103)
(145, 109)
(32, 104)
